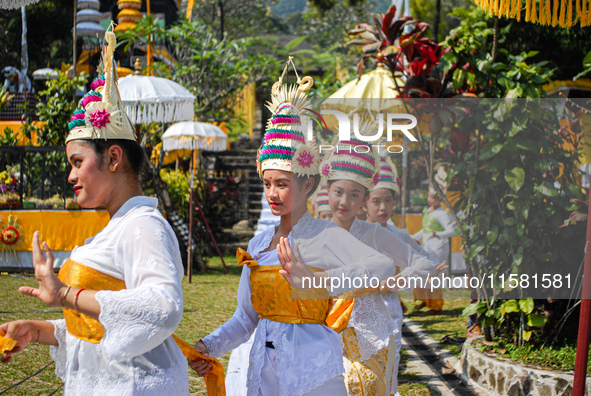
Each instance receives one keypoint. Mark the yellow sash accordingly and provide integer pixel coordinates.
(81, 276)
(274, 299)
(88, 329)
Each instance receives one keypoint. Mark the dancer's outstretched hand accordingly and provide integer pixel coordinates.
(51, 289)
(439, 268)
(22, 331)
(294, 269)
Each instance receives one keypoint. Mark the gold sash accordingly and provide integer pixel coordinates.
(88, 329)
(81, 276)
(274, 299)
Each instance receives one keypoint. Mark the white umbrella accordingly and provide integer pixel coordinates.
(45, 74)
(155, 99)
(192, 135)
(10, 4)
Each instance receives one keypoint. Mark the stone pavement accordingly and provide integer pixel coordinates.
(433, 365)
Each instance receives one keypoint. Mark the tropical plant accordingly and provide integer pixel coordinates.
(56, 112)
(5, 98)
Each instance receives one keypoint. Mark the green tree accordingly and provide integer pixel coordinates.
(55, 113)
(233, 18)
(214, 71)
(49, 36)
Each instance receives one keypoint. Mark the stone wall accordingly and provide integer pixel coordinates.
(507, 378)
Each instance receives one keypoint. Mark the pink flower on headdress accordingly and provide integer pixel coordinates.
(326, 169)
(399, 182)
(305, 159)
(99, 118)
(376, 179)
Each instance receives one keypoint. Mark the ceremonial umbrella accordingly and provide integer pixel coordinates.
(374, 90)
(186, 137)
(11, 4)
(154, 99)
(45, 74)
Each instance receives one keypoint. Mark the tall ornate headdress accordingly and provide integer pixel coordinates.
(285, 146)
(352, 159)
(100, 114)
(386, 173)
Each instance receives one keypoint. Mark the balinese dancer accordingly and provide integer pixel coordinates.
(121, 292)
(294, 351)
(380, 206)
(369, 348)
(437, 230)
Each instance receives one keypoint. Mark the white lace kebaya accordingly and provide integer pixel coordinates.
(306, 356)
(137, 355)
(371, 317)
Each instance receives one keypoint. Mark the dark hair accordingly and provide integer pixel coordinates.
(302, 179)
(133, 151)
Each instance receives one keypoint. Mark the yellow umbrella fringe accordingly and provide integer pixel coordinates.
(542, 14)
(534, 12)
(548, 11)
(516, 13)
(503, 7)
(562, 13)
(555, 12)
(495, 6)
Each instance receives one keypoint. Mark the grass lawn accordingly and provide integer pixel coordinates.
(210, 300)
(448, 323)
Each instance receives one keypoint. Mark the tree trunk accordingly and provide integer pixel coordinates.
(436, 21)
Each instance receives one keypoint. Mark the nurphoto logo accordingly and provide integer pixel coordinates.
(395, 122)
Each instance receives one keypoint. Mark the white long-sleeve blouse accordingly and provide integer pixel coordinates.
(137, 355)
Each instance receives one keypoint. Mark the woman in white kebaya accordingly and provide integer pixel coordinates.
(121, 291)
(294, 351)
(380, 206)
(370, 352)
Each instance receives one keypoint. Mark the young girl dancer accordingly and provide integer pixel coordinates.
(369, 352)
(380, 206)
(294, 352)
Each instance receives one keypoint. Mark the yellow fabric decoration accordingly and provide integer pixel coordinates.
(62, 230)
(6, 344)
(371, 377)
(88, 329)
(214, 381)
